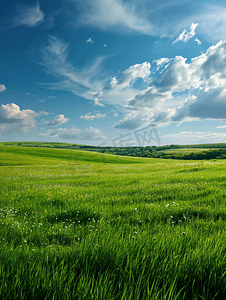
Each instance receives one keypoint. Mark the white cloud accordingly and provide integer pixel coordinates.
(74, 133)
(105, 45)
(78, 81)
(58, 120)
(224, 126)
(96, 102)
(165, 18)
(161, 62)
(187, 35)
(212, 21)
(89, 117)
(91, 82)
(12, 119)
(89, 41)
(135, 119)
(178, 76)
(111, 14)
(130, 75)
(2, 87)
(29, 16)
(134, 72)
(183, 91)
(188, 137)
(198, 41)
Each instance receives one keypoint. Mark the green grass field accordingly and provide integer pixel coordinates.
(83, 225)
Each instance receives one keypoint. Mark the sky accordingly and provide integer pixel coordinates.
(113, 72)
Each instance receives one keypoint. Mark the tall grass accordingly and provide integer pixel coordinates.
(78, 227)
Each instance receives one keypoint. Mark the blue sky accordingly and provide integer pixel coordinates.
(92, 71)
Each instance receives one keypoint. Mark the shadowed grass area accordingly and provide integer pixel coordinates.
(75, 227)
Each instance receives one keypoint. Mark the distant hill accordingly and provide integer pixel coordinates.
(197, 151)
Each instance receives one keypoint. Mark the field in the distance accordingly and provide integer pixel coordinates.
(184, 150)
(83, 225)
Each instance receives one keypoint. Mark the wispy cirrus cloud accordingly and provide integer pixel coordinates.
(186, 35)
(212, 21)
(163, 18)
(29, 16)
(112, 14)
(78, 81)
(90, 82)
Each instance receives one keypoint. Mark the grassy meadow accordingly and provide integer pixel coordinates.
(184, 150)
(83, 225)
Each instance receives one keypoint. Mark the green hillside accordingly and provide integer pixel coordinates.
(25, 155)
(83, 225)
(185, 152)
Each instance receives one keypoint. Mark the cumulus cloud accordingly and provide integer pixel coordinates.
(130, 75)
(186, 35)
(209, 105)
(161, 62)
(223, 126)
(74, 133)
(207, 71)
(183, 91)
(178, 76)
(2, 87)
(121, 88)
(135, 119)
(29, 16)
(89, 117)
(113, 14)
(57, 121)
(13, 119)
